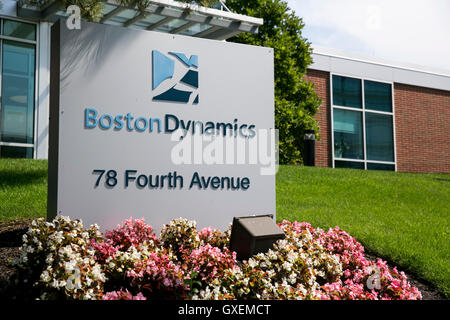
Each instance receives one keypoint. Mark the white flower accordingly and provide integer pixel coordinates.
(287, 266)
(69, 266)
(45, 276)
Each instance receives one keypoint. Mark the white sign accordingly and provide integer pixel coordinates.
(150, 125)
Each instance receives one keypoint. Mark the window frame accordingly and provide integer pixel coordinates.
(36, 78)
(363, 110)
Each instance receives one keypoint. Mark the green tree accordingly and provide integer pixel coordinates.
(295, 99)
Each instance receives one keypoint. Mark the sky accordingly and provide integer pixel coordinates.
(407, 31)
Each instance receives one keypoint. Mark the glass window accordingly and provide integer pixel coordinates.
(378, 96)
(18, 29)
(196, 28)
(107, 8)
(347, 92)
(368, 134)
(16, 152)
(348, 138)
(17, 100)
(169, 26)
(149, 20)
(380, 166)
(379, 137)
(348, 164)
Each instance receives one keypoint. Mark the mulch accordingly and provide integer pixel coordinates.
(11, 238)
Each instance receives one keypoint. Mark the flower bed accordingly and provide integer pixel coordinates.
(62, 260)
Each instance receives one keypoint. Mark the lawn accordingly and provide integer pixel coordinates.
(402, 217)
(23, 189)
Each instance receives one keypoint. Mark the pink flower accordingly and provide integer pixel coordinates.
(122, 295)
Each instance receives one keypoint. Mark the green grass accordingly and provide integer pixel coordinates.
(23, 189)
(402, 217)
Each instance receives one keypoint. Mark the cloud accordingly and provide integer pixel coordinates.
(408, 31)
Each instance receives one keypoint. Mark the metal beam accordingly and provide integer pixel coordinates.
(183, 27)
(160, 23)
(222, 34)
(139, 17)
(204, 33)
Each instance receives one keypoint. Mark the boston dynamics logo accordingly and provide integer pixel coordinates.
(175, 77)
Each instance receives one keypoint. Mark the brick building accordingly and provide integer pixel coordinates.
(378, 115)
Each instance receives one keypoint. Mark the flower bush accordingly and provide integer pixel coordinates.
(215, 237)
(57, 260)
(131, 233)
(206, 263)
(358, 272)
(62, 260)
(159, 275)
(122, 295)
(180, 235)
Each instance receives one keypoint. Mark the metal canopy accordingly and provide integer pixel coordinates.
(161, 15)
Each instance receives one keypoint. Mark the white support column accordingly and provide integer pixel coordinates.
(43, 91)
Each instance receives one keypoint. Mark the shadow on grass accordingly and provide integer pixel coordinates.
(445, 179)
(11, 178)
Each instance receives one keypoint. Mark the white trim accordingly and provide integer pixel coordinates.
(350, 160)
(19, 39)
(380, 72)
(36, 91)
(332, 120)
(363, 110)
(43, 87)
(366, 161)
(379, 112)
(16, 144)
(361, 78)
(363, 101)
(348, 108)
(377, 61)
(393, 128)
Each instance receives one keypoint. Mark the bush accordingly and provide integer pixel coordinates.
(215, 237)
(180, 235)
(61, 260)
(58, 262)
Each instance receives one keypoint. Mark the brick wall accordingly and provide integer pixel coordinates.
(321, 80)
(422, 124)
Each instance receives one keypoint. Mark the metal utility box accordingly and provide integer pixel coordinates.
(309, 148)
(253, 234)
